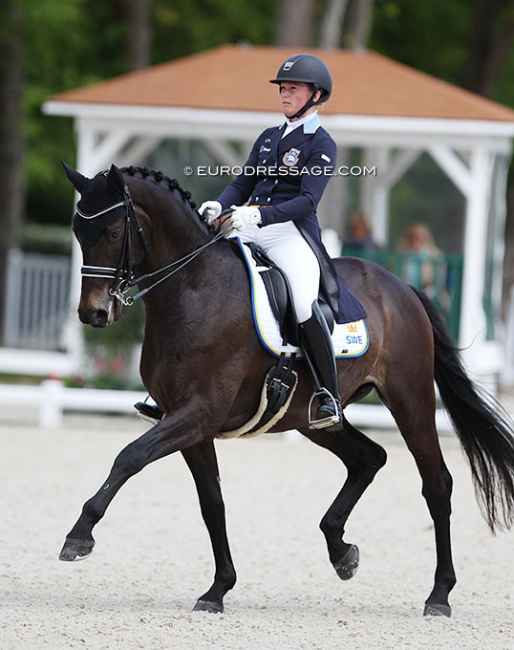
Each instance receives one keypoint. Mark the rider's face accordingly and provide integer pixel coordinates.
(294, 95)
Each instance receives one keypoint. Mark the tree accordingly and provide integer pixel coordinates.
(294, 23)
(11, 139)
(138, 34)
(357, 25)
(491, 38)
(331, 22)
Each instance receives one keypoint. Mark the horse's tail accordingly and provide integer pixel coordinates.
(485, 430)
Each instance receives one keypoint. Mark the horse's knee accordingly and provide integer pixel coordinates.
(130, 460)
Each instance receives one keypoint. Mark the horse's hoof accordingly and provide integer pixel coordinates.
(433, 609)
(76, 549)
(208, 606)
(347, 566)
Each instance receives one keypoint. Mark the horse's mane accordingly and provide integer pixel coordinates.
(159, 177)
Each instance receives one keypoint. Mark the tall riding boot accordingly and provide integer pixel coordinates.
(149, 412)
(316, 343)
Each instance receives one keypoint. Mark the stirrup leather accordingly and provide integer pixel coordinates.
(322, 423)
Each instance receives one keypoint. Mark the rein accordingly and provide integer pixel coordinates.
(123, 275)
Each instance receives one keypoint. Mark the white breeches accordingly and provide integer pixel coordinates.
(285, 246)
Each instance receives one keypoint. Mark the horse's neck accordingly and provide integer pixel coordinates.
(214, 276)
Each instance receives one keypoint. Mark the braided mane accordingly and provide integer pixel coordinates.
(160, 177)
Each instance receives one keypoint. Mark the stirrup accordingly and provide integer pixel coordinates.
(323, 423)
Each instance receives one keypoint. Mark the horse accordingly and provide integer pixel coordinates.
(204, 365)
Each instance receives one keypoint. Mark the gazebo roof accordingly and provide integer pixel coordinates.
(233, 77)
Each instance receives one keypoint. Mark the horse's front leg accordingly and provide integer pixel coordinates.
(201, 460)
(161, 440)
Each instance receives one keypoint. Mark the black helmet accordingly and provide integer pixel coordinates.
(308, 69)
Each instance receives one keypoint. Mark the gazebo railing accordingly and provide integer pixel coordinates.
(440, 277)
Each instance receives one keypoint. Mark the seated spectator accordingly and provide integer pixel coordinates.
(424, 267)
(358, 235)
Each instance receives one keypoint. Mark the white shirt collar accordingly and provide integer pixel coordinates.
(309, 122)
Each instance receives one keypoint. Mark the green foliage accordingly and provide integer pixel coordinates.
(48, 239)
(428, 36)
(184, 26)
(110, 351)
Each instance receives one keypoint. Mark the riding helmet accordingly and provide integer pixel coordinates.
(308, 69)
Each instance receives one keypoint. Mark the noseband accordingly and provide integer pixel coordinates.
(123, 275)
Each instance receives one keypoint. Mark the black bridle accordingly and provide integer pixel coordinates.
(123, 275)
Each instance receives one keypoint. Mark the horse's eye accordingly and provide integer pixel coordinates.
(113, 234)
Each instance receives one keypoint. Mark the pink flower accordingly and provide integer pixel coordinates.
(117, 364)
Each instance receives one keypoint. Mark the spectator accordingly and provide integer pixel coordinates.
(358, 235)
(424, 266)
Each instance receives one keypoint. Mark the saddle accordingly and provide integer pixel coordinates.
(279, 296)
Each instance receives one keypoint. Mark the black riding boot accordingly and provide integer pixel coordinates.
(316, 343)
(149, 412)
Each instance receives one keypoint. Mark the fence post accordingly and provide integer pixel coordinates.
(51, 406)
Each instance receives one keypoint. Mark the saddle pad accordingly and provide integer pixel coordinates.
(349, 339)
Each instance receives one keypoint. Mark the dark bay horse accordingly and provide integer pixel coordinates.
(203, 363)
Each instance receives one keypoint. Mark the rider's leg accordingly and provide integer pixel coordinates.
(149, 412)
(316, 342)
(285, 245)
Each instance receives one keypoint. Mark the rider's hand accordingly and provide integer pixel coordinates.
(244, 217)
(211, 210)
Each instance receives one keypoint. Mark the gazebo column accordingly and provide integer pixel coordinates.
(481, 356)
(375, 189)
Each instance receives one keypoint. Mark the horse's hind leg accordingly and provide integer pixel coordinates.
(414, 412)
(363, 458)
(202, 462)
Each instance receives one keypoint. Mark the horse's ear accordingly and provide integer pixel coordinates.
(75, 177)
(115, 178)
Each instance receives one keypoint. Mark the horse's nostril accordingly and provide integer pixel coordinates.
(94, 317)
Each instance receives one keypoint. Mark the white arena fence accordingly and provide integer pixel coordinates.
(51, 400)
(37, 300)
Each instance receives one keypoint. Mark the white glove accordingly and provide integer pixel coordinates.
(244, 217)
(212, 210)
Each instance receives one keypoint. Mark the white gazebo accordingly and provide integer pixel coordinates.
(392, 112)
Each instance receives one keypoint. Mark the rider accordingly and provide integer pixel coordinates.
(281, 184)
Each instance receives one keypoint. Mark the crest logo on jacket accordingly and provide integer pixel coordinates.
(291, 157)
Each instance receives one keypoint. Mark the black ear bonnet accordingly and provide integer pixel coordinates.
(103, 201)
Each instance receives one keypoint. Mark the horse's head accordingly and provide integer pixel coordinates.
(102, 226)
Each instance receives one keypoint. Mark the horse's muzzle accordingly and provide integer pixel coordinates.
(100, 315)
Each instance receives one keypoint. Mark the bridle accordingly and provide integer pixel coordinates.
(123, 276)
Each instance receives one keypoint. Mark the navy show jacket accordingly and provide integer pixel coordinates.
(286, 177)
